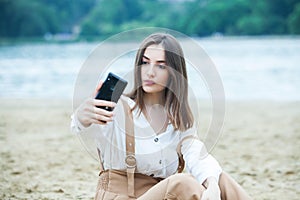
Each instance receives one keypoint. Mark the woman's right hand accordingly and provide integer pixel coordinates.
(89, 112)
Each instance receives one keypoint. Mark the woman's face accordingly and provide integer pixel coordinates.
(154, 72)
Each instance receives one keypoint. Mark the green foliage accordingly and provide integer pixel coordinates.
(26, 18)
(69, 12)
(102, 18)
(252, 25)
(294, 20)
(31, 18)
(112, 16)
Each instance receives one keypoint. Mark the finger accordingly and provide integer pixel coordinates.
(98, 88)
(99, 102)
(104, 112)
(94, 121)
(89, 103)
(88, 108)
(102, 118)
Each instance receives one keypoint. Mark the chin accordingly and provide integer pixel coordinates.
(152, 90)
(148, 90)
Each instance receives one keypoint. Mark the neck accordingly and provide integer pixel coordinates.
(154, 111)
(152, 99)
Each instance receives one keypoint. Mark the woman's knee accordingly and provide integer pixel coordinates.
(230, 189)
(185, 185)
(183, 179)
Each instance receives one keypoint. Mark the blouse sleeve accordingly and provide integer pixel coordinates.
(198, 161)
(104, 130)
(76, 126)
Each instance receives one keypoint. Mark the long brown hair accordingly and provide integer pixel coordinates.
(176, 92)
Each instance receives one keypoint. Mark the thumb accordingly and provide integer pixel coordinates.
(98, 88)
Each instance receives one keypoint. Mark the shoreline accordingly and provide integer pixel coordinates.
(42, 40)
(42, 159)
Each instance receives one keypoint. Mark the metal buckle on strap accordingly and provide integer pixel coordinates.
(130, 161)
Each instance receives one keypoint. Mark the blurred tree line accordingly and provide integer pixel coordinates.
(102, 18)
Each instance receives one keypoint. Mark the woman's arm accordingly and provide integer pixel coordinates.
(199, 162)
(203, 166)
(212, 191)
(89, 113)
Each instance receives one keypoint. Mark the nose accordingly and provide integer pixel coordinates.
(150, 71)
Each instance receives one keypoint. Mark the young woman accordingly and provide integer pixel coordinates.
(140, 161)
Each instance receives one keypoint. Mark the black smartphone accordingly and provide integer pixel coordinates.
(112, 89)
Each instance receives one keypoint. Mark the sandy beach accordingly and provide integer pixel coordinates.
(42, 159)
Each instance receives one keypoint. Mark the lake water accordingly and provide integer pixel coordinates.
(265, 68)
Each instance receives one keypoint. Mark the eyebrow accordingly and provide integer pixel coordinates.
(158, 61)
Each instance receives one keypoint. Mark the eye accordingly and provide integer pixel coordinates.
(145, 63)
(161, 66)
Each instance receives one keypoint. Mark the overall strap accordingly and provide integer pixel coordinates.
(181, 162)
(130, 159)
(100, 160)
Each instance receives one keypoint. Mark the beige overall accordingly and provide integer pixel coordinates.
(126, 185)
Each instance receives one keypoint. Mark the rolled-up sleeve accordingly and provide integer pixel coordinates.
(198, 161)
(76, 126)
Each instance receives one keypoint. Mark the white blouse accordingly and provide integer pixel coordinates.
(155, 154)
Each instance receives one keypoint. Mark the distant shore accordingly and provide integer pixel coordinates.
(42, 159)
(62, 40)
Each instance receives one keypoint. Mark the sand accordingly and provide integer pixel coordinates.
(42, 159)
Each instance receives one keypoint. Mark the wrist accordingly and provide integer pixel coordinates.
(80, 123)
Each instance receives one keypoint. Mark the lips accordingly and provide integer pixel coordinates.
(149, 82)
